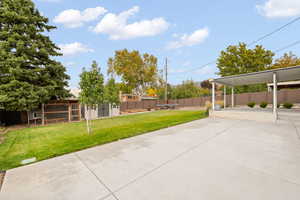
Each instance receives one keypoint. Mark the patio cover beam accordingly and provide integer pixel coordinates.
(269, 76)
(283, 74)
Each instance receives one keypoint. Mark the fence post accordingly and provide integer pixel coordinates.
(79, 110)
(43, 114)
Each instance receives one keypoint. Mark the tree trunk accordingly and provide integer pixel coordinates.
(87, 118)
(90, 121)
(28, 118)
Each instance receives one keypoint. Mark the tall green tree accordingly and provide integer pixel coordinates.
(91, 90)
(239, 59)
(29, 75)
(188, 89)
(161, 91)
(206, 84)
(287, 60)
(138, 72)
(111, 92)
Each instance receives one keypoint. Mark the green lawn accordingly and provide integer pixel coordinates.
(57, 139)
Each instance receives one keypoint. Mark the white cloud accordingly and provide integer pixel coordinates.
(194, 38)
(51, 1)
(116, 26)
(74, 48)
(69, 64)
(280, 8)
(75, 18)
(207, 70)
(172, 70)
(187, 63)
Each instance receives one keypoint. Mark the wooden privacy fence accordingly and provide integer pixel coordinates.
(291, 96)
(55, 112)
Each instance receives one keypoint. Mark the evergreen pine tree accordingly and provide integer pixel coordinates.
(29, 75)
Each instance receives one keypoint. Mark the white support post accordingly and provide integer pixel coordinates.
(275, 96)
(224, 96)
(232, 97)
(213, 96)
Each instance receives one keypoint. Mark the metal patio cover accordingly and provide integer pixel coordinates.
(283, 74)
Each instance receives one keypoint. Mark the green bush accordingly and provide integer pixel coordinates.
(278, 105)
(251, 104)
(263, 104)
(288, 105)
(207, 112)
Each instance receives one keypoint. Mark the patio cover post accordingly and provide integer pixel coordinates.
(213, 96)
(275, 95)
(232, 97)
(224, 96)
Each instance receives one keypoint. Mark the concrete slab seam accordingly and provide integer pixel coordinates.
(99, 180)
(173, 159)
(261, 171)
(293, 124)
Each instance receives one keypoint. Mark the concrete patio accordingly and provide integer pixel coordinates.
(211, 159)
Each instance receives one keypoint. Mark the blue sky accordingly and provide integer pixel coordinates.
(190, 33)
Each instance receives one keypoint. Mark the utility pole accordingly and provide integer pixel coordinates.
(166, 83)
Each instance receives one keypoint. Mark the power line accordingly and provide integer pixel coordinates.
(276, 51)
(288, 46)
(273, 32)
(258, 40)
(202, 66)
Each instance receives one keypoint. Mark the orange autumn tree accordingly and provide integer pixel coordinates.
(137, 72)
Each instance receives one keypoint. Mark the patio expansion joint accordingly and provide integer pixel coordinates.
(296, 129)
(260, 171)
(111, 193)
(174, 158)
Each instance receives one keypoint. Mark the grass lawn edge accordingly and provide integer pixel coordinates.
(202, 115)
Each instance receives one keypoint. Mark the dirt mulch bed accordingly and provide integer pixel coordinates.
(2, 174)
(133, 111)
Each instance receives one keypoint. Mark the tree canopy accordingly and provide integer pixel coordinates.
(111, 92)
(29, 75)
(138, 72)
(206, 84)
(287, 60)
(91, 86)
(239, 59)
(187, 89)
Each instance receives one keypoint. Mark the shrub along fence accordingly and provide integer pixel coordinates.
(291, 96)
